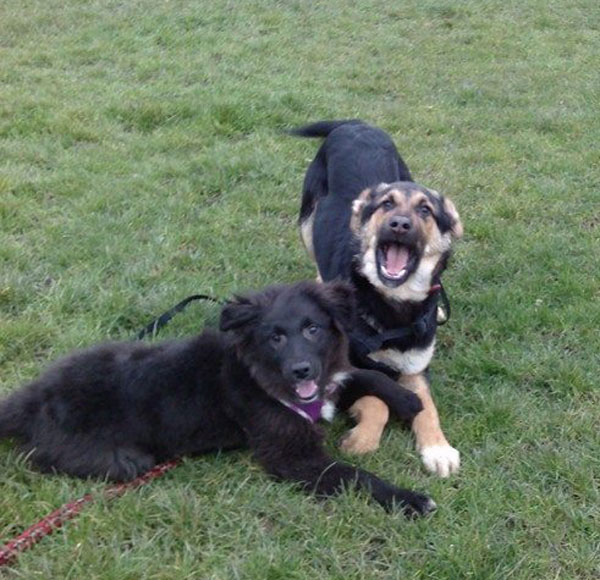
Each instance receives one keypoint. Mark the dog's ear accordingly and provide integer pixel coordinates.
(366, 197)
(339, 300)
(238, 313)
(456, 227)
(361, 201)
(357, 206)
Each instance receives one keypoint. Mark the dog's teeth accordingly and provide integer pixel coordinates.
(393, 276)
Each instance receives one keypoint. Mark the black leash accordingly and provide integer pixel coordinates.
(436, 314)
(153, 328)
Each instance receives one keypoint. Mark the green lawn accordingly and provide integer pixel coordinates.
(142, 159)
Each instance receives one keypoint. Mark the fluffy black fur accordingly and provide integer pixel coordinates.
(116, 410)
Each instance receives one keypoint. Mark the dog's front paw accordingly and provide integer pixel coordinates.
(358, 441)
(441, 459)
(413, 504)
(405, 405)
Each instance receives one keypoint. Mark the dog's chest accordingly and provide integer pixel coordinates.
(408, 362)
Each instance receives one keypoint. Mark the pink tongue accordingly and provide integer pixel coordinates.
(306, 389)
(396, 258)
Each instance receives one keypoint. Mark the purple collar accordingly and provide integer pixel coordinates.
(311, 411)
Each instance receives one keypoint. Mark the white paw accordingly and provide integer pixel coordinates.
(441, 459)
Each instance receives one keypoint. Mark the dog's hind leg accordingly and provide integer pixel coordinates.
(306, 234)
(128, 462)
(86, 456)
(306, 227)
(313, 189)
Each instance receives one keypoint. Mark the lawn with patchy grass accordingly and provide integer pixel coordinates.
(142, 159)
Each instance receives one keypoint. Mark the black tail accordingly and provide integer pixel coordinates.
(13, 414)
(322, 128)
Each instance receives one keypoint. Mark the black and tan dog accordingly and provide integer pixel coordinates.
(117, 409)
(364, 220)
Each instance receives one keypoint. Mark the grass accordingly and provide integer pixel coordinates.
(142, 160)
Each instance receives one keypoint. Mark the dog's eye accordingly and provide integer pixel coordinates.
(424, 210)
(387, 204)
(277, 339)
(312, 330)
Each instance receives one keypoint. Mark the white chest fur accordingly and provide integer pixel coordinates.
(408, 362)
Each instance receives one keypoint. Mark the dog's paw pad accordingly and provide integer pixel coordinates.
(442, 460)
(356, 442)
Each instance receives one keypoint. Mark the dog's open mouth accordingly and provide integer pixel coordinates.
(395, 262)
(307, 391)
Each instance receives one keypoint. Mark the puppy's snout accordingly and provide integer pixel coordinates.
(400, 224)
(302, 370)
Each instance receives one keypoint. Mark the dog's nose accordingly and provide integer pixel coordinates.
(301, 370)
(400, 224)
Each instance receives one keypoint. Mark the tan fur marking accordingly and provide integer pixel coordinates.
(306, 233)
(434, 242)
(428, 228)
(371, 415)
(426, 425)
(457, 227)
(357, 206)
(437, 454)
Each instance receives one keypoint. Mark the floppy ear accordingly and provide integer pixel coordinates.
(456, 227)
(238, 313)
(338, 299)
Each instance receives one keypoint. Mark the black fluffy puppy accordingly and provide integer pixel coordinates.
(116, 410)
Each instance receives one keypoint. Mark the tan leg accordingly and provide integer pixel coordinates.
(371, 415)
(306, 233)
(437, 454)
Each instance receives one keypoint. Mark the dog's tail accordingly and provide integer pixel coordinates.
(16, 412)
(322, 128)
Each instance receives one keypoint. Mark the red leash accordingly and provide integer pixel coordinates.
(69, 510)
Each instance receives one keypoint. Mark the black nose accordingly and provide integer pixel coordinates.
(301, 370)
(400, 224)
